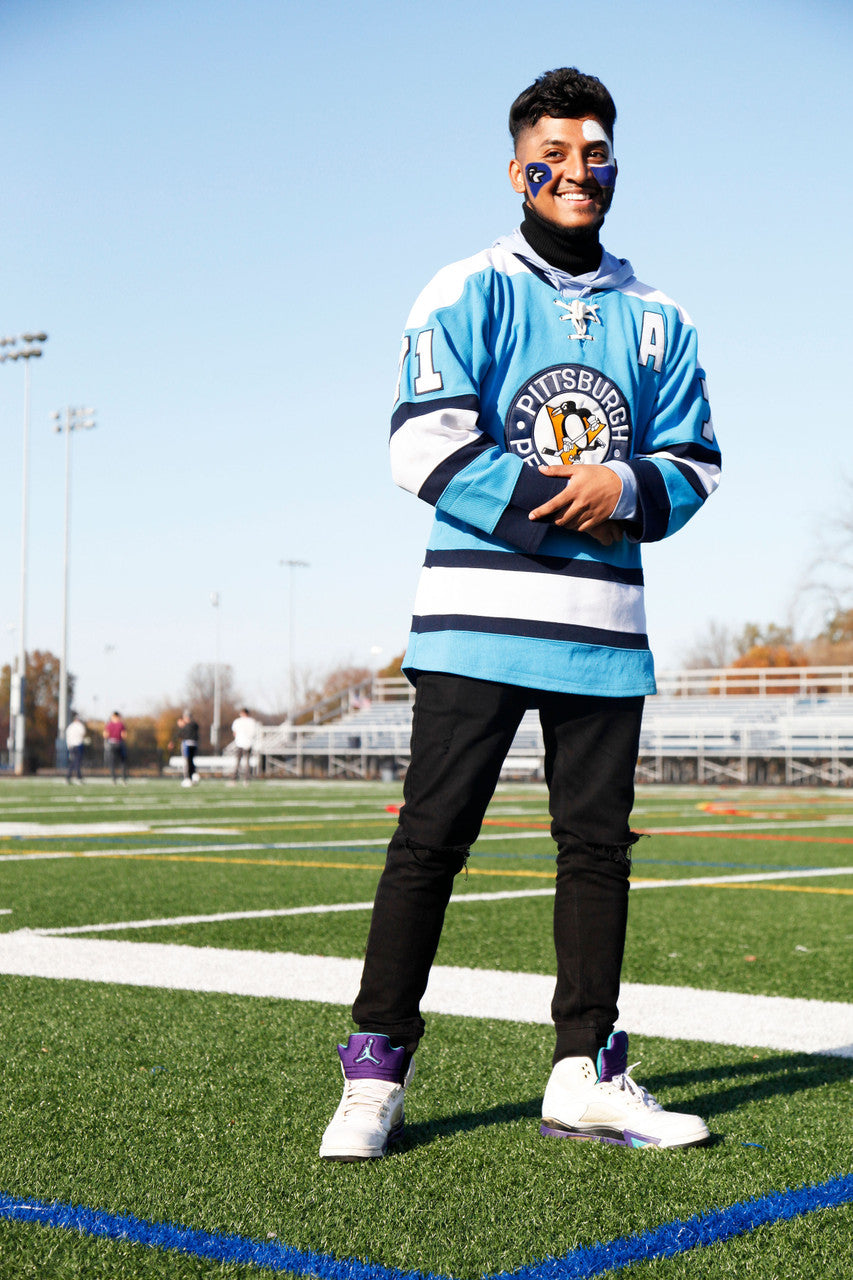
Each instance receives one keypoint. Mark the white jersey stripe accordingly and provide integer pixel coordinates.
(423, 443)
(580, 602)
(706, 473)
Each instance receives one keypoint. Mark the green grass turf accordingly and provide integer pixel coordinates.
(207, 1110)
(47, 895)
(764, 940)
(806, 1248)
(32, 1252)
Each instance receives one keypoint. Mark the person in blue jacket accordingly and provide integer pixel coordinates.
(552, 409)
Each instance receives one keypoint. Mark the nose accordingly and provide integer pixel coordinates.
(575, 168)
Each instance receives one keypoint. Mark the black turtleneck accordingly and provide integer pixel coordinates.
(575, 252)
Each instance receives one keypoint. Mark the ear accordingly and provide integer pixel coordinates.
(516, 177)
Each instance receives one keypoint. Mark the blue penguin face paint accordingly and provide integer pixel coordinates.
(537, 175)
(604, 174)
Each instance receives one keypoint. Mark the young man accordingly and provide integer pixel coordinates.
(75, 741)
(245, 731)
(188, 734)
(115, 746)
(519, 368)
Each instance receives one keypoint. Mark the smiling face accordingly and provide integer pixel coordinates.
(566, 169)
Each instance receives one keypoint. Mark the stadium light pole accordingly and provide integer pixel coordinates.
(217, 688)
(32, 349)
(75, 420)
(13, 663)
(291, 565)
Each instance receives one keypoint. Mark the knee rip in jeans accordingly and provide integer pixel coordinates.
(454, 857)
(618, 853)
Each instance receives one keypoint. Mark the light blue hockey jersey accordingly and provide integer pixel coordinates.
(508, 364)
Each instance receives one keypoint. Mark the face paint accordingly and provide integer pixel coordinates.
(537, 175)
(605, 174)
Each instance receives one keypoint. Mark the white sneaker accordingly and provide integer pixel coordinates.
(609, 1106)
(186, 783)
(370, 1114)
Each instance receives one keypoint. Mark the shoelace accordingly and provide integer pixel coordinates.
(368, 1094)
(637, 1092)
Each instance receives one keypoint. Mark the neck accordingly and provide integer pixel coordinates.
(575, 252)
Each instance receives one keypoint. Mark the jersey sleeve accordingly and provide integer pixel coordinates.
(439, 449)
(677, 461)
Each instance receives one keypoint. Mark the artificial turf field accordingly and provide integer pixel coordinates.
(166, 1080)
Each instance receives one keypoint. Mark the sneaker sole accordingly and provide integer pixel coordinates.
(617, 1137)
(358, 1157)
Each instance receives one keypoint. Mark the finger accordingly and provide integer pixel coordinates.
(560, 503)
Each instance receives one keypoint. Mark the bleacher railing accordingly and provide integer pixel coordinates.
(756, 681)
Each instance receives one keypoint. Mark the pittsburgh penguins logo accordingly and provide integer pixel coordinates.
(536, 174)
(569, 414)
(576, 431)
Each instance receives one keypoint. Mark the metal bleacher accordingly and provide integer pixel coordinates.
(749, 725)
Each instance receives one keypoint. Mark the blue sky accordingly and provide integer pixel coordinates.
(221, 213)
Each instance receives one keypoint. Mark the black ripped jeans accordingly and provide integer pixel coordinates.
(462, 730)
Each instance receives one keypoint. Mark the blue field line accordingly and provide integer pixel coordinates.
(663, 1242)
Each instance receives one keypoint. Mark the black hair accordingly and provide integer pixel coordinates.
(565, 93)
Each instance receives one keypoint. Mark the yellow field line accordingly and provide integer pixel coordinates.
(289, 862)
(781, 888)
(377, 866)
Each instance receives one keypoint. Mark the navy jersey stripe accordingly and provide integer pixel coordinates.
(438, 480)
(692, 479)
(653, 505)
(404, 412)
(695, 451)
(509, 562)
(530, 629)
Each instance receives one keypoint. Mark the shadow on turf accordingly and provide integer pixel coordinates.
(425, 1131)
(743, 1082)
(730, 1088)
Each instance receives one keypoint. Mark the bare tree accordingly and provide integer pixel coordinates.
(199, 694)
(825, 592)
(715, 647)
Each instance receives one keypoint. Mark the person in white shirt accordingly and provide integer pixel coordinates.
(245, 731)
(75, 739)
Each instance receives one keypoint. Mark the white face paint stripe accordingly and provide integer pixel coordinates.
(595, 132)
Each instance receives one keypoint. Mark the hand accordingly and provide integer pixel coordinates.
(608, 533)
(586, 503)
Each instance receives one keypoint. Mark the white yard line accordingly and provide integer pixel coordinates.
(771, 1022)
(794, 874)
(457, 899)
(10, 830)
(783, 824)
(190, 849)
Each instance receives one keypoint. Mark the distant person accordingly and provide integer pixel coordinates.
(75, 741)
(188, 736)
(245, 731)
(115, 746)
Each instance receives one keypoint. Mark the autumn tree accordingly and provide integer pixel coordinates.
(769, 646)
(166, 718)
(199, 696)
(142, 746)
(41, 707)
